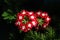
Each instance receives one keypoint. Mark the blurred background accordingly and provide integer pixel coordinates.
(50, 6)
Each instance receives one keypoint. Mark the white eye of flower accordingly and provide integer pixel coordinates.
(23, 27)
(28, 28)
(29, 25)
(20, 17)
(18, 23)
(23, 12)
(44, 26)
(43, 14)
(30, 13)
(33, 23)
(38, 13)
(32, 17)
(48, 19)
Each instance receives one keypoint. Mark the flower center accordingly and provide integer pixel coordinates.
(40, 21)
(25, 20)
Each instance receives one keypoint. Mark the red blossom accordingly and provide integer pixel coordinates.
(44, 15)
(38, 14)
(29, 25)
(45, 25)
(23, 12)
(20, 17)
(30, 13)
(32, 22)
(32, 17)
(47, 19)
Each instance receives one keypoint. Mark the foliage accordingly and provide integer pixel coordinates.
(8, 16)
(33, 35)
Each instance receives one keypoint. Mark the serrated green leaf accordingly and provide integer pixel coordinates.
(11, 17)
(5, 18)
(50, 32)
(43, 37)
(5, 14)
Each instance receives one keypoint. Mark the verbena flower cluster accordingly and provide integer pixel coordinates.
(27, 20)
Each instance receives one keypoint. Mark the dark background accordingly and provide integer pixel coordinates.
(51, 6)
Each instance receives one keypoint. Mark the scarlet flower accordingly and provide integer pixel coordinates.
(47, 19)
(23, 12)
(44, 15)
(18, 23)
(23, 27)
(34, 23)
(45, 25)
(29, 25)
(30, 13)
(38, 14)
(26, 30)
(32, 17)
(20, 17)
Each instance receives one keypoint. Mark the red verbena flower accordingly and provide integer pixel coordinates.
(27, 25)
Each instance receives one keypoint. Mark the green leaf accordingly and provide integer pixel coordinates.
(50, 32)
(8, 16)
(33, 35)
(11, 17)
(5, 18)
(5, 14)
(43, 36)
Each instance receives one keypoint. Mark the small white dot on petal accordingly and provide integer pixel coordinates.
(23, 12)
(30, 13)
(18, 23)
(43, 14)
(38, 13)
(32, 17)
(44, 26)
(20, 17)
(23, 27)
(28, 29)
(33, 23)
(48, 19)
(29, 25)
